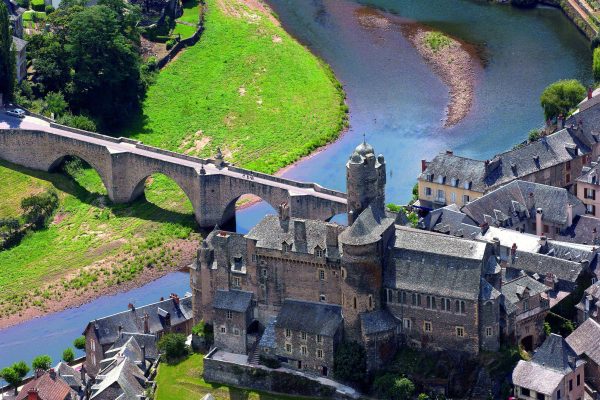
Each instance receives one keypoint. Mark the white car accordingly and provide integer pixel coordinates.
(16, 112)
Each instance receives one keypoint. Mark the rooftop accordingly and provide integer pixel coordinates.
(586, 340)
(232, 300)
(317, 318)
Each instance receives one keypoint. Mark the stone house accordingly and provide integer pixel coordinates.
(48, 386)
(173, 315)
(20, 58)
(585, 341)
(233, 314)
(526, 305)
(308, 343)
(555, 372)
(555, 160)
(121, 379)
(589, 306)
(588, 189)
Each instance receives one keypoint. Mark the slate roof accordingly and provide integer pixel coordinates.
(541, 264)
(232, 300)
(590, 174)
(130, 350)
(585, 230)
(148, 340)
(132, 320)
(450, 220)
(487, 291)
(269, 339)
(518, 200)
(536, 377)
(449, 166)
(231, 246)
(377, 322)
(427, 262)
(310, 317)
(368, 228)
(71, 376)
(586, 340)
(122, 375)
(556, 354)
(269, 234)
(513, 291)
(48, 388)
(20, 44)
(592, 294)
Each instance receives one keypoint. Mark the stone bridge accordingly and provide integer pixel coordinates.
(212, 185)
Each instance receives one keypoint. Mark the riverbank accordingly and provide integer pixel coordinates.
(454, 62)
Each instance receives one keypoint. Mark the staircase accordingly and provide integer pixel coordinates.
(254, 354)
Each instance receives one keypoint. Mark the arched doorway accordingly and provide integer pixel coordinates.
(527, 343)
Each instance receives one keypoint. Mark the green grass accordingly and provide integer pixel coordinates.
(184, 381)
(247, 87)
(185, 31)
(191, 12)
(86, 229)
(437, 40)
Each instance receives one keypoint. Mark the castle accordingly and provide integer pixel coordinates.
(294, 289)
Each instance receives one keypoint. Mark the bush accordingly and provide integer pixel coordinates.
(350, 362)
(77, 121)
(596, 64)
(68, 355)
(390, 386)
(203, 330)
(173, 346)
(534, 135)
(38, 5)
(79, 343)
(269, 362)
(49, 9)
(170, 43)
(42, 362)
(38, 208)
(437, 40)
(560, 97)
(23, 3)
(595, 41)
(55, 103)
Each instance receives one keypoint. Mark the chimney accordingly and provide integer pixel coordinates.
(82, 372)
(120, 330)
(513, 252)
(449, 152)
(539, 227)
(561, 121)
(146, 325)
(332, 235)
(543, 242)
(284, 216)
(549, 280)
(496, 242)
(299, 231)
(32, 394)
(569, 214)
(143, 358)
(423, 165)
(52, 373)
(131, 306)
(587, 303)
(590, 92)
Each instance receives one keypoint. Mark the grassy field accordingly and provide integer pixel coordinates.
(247, 87)
(184, 381)
(86, 229)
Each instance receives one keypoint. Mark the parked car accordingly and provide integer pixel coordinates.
(16, 112)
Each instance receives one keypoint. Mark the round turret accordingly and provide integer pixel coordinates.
(364, 148)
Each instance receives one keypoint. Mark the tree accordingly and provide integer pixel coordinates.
(596, 64)
(55, 103)
(560, 97)
(7, 56)
(534, 135)
(12, 377)
(42, 362)
(350, 362)
(173, 346)
(21, 368)
(79, 343)
(68, 355)
(390, 386)
(39, 207)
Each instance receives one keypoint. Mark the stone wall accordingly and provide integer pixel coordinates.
(266, 380)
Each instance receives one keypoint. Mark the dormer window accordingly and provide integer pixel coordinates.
(319, 252)
(441, 179)
(454, 182)
(285, 247)
(467, 185)
(430, 177)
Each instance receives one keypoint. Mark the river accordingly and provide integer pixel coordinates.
(395, 100)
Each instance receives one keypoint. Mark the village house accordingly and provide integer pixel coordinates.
(589, 306)
(555, 372)
(585, 341)
(20, 58)
(588, 189)
(173, 315)
(47, 386)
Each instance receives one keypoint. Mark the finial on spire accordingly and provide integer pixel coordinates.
(364, 138)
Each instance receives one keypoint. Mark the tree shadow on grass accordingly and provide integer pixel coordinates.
(140, 208)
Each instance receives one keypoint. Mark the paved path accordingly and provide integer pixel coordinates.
(32, 123)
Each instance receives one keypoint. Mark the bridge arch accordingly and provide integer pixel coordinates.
(228, 215)
(57, 160)
(138, 187)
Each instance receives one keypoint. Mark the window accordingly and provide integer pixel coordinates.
(94, 358)
(236, 282)
(590, 209)
(445, 305)
(343, 273)
(466, 198)
(430, 177)
(288, 333)
(322, 298)
(590, 194)
(427, 326)
(319, 353)
(526, 305)
(303, 335)
(223, 329)
(303, 350)
(403, 297)
(453, 197)
(570, 385)
(389, 295)
(263, 272)
(319, 252)
(229, 314)
(319, 339)
(488, 331)
(428, 191)
(460, 306)
(93, 345)
(441, 195)
(322, 274)
(568, 165)
(441, 179)
(370, 302)
(460, 331)
(354, 305)
(558, 396)
(254, 258)
(525, 392)
(288, 347)
(454, 182)
(541, 396)
(407, 323)
(431, 302)
(236, 331)
(578, 380)
(285, 247)
(568, 178)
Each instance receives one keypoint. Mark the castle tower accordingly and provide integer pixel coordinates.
(200, 284)
(365, 181)
(365, 240)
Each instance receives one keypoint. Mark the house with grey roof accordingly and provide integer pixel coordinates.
(122, 379)
(588, 188)
(233, 316)
(589, 306)
(554, 372)
(585, 341)
(170, 315)
(20, 58)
